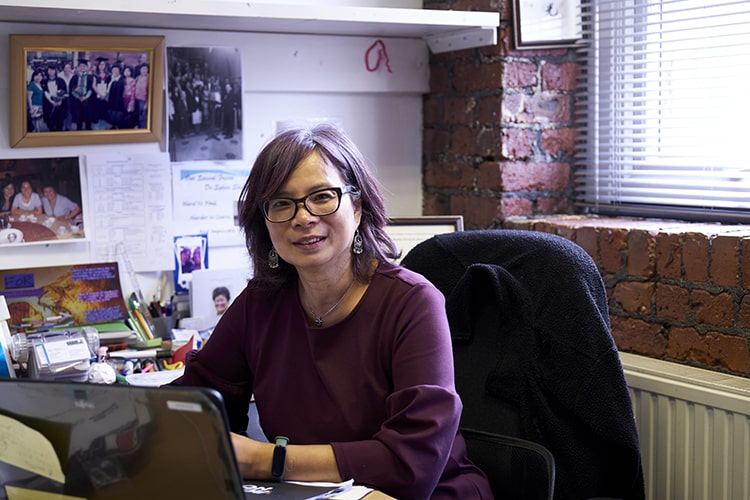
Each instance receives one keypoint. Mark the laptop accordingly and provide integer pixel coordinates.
(118, 442)
(114, 442)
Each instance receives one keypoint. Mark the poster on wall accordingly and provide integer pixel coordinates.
(204, 103)
(41, 201)
(43, 298)
(205, 201)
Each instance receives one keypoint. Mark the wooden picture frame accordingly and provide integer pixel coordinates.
(92, 118)
(408, 232)
(541, 24)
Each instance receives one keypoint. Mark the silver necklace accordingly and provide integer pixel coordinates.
(318, 320)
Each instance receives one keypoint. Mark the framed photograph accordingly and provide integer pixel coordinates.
(41, 201)
(408, 232)
(73, 90)
(540, 24)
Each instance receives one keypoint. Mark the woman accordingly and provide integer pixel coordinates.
(57, 205)
(55, 100)
(9, 191)
(220, 296)
(35, 101)
(347, 354)
(27, 202)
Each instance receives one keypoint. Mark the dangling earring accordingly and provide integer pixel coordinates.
(358, 245)
(273, 258)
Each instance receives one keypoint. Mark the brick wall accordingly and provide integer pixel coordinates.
(498, 146)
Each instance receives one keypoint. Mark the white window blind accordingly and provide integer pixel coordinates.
(664, 108)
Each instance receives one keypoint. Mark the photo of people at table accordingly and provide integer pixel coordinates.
(74, 90)
(40, 200)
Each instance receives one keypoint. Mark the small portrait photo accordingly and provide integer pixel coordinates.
(191, 254)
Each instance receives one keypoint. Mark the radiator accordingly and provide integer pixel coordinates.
(694, 430)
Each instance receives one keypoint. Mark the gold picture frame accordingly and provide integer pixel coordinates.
(99, 119)
(543, 24)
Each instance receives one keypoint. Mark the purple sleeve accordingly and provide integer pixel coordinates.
(221, 364)
(408, 454)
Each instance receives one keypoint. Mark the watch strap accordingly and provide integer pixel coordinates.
(279, 458)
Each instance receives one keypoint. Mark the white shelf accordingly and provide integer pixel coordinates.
(442, 30)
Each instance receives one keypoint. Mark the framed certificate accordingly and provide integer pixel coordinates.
(546, 23)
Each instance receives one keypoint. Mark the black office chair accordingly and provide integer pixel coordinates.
(534, 356)
(517, 469)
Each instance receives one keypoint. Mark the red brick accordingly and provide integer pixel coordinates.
(436, 142)
(559, 141)
(448, 175)
(713, 349)
(641, 260)
(489, 142)
(672, 302)
(464, 141)
(548, 108)
(517, 143)
(519, 74)
(524, 176)
(511, 206)
(436, 204)
(634, 297)
(489, 110)
(472, 78)
(668, 256)
(588, 239)
(695, 248)
(478, 212)
(745, 263)
(488, 176)
(612, 246)
(638, 336)
(554, 205)
(439, 79)
(724, 263)
(712, 309)
(458, 111)
(513, 107)
(559, 76)
(743, 320)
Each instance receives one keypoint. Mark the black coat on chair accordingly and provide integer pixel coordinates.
(534, 355)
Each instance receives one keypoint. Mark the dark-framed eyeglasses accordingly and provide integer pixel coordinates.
(318, 203)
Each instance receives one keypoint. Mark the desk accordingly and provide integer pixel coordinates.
(44, 228)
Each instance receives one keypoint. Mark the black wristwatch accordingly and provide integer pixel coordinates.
(279, 458)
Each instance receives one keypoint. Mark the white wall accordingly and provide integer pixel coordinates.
(285, 77)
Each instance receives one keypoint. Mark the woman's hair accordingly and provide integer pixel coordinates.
(273, 166)
(5, 184)
(220, 290)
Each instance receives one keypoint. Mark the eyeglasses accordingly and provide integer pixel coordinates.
(318, 203)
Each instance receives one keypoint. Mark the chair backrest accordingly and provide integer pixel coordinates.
(534, 355)
(517, 468)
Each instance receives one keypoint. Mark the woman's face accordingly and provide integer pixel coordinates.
(38, 77)
(9, 191)
(26, 189)
(220, 303)
(311, 242)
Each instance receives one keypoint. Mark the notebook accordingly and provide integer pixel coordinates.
(119, 442)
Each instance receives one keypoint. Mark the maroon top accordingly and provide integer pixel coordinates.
(378, 385)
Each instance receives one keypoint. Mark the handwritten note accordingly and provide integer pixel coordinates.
(28, 449)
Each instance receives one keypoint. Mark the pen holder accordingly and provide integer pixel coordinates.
(163, 327)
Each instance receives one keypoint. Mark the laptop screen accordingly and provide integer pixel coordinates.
(114, 442)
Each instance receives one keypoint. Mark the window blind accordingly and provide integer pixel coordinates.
(663, 108)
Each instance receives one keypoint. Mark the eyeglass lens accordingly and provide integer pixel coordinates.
(318, 203)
